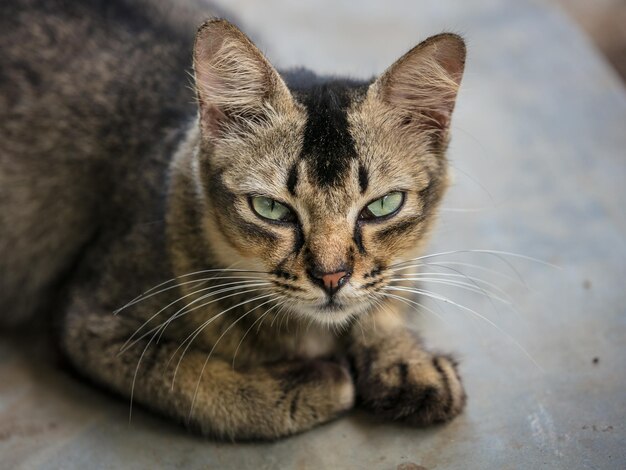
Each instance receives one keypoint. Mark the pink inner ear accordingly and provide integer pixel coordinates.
(423, 84)
(233, 79)
(452, 59)
(210, 118)
(209, 41)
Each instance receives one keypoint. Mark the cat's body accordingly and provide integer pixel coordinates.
(79, 121)
(111, 183)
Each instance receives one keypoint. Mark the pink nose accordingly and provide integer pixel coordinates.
(333, 281)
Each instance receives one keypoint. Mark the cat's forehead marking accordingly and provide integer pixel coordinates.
(292, 179)
(328, 147)
(364, 179)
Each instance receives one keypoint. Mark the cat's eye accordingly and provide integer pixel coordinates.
(269, 208)
(385, 206)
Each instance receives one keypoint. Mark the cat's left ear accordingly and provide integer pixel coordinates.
(236, 85)
(422, 85)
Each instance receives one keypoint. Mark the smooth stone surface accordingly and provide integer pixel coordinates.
(538, 149)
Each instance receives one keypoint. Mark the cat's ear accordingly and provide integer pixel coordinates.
(423, 84)
(235, 83)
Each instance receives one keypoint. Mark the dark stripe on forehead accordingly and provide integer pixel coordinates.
(328, 146)
(364, 180)
(292, 179)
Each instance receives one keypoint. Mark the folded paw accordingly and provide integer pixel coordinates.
(313, 392)
(419, 390)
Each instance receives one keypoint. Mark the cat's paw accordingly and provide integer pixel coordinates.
(314, 392)
(420, 391)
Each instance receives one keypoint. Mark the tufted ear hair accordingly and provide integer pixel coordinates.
(235, 84)
(422, 85)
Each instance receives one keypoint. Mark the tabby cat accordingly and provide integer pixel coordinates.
(260, 215)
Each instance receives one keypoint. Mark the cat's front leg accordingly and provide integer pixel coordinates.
(266, 401)
(398, 379)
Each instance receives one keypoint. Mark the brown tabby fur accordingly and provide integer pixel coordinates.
(93, 204)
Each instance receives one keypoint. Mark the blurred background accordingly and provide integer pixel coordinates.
(605, 23)
(538, 151)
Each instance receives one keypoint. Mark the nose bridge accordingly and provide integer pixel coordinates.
(329, 242)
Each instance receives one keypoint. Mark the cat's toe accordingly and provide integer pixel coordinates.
(419, 392)
(318, 390)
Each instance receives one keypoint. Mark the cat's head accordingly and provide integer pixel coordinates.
(323, 184)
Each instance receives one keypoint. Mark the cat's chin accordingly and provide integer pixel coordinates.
(333, 312)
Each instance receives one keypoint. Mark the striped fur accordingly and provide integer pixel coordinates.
(164, 192)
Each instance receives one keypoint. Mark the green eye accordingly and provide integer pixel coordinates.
(271, 209)
(386, 205)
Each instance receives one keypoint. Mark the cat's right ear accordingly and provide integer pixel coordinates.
(236, 85)
(423, 84)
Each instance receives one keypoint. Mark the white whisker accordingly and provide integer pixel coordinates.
(435, 296)
(132, 391)
(414, 303)
(206, 361)
(474, 280)
(499, 254)
(455, 283)
(148, 295)
(252, 326)
(189, 340)
(174, 279)
(181, 312)
(477, 280)
(478, 267)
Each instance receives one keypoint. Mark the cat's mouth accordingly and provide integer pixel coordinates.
(332, 305)
(334, 310)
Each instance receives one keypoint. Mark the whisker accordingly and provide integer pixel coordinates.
(497, 253)
(218, 286)
(181, 311)
(470, 289)
(471, 178)
(396, 313)
(518, 255)
(435, 296)
(275, 318)
(132, 391)
(276, 296)
(478, 267)
(284, 317)
(261, 285)
(308, 326)
(190, 339)
(148, 295)
(412, 303)
(132, 302)
(402, 265)
(420, 275)
(473, 281)
(132, 388)
(284, 305)
(252, 326)
(206, 361)
(455, 283)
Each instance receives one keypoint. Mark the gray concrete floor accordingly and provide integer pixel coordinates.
(539, 154)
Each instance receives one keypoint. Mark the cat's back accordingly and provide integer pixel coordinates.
(98, 54)
(90, 94)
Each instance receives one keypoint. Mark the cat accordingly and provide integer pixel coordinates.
(175, 229)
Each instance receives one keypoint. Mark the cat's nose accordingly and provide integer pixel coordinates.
(331, 282)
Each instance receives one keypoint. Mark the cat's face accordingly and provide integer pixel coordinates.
(325, 187)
